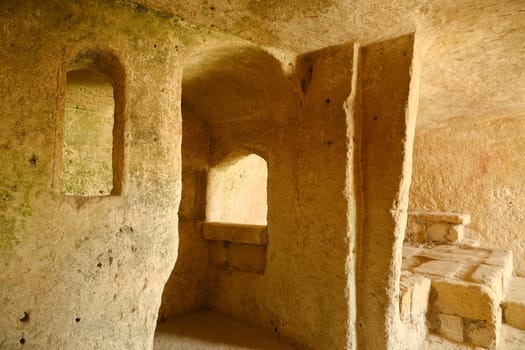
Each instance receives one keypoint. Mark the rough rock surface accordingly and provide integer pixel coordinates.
(477, 168)
(280, 79)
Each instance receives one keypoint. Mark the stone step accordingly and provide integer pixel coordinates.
(514, 303)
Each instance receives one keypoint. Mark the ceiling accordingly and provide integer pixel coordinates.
(472, 52)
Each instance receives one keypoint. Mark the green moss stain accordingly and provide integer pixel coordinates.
(88, 134)
(16, 192)
(8, 237)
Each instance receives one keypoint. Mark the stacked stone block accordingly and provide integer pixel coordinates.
(443, 227)
(467, 288)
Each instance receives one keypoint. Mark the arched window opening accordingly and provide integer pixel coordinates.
(237, 191)
(91, 134)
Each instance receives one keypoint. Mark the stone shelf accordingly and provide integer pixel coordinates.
(236, 233)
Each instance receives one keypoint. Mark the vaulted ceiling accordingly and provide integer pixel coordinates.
(472, 52)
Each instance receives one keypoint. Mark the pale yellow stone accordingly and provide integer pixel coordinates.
(504, 258)
(409, 250)
(491, 276)
(456, 255)
(445, 217)
(420, 294)
(415, 231)
(468, 300)
(514, 303)
(405, 301)
(451, 327)
(481, 333)
(456, 233)
(439, 268)
(437, 232)
(249, 234)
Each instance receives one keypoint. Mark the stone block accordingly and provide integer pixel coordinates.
(456, 255)
(451, 327)
(464, 299)
(491, 276)
(446, 217)
(482, 333)
(437, 232)
(414, 294)
(514, 314)
(420, 294)
(456, 233)
(247, 257)
(503, 258)
(465, 250)
(439, 268)
(466, 270)
(405, 300)
(409, 250)
(415, 231)
(412, 262)
(514, 303)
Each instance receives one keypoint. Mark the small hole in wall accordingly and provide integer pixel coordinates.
(212, 8)
(77, 319)
(24, 317)
(155, 45)
(33, 160)
(99, 265)
(327, 101)
(22, 341)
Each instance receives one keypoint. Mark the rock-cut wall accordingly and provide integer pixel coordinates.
(88, 271)
(475, 167)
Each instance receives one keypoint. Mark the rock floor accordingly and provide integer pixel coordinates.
(207, 330)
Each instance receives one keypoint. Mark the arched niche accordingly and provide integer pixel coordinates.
(90, 134)
(237, 191)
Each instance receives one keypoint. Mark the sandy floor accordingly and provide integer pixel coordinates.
(205, 330)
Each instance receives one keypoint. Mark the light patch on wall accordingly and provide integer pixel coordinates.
(88, 134)
(237, 191)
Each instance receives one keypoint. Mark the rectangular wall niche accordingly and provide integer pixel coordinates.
(87, 163)
(236, 210)
(237, 191)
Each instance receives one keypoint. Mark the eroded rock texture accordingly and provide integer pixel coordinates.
(330, 94)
